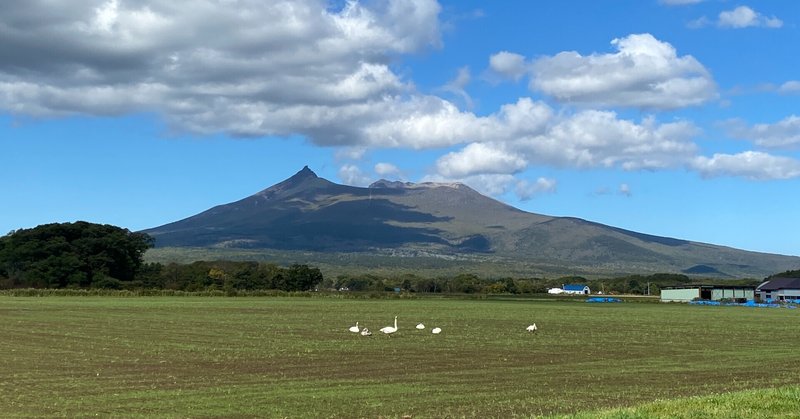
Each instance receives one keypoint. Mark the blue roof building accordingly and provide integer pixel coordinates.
(576, 289)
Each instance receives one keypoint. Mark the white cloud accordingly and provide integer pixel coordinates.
(599, 139)
(350, 153)
(426, 122)
(790, 87)
(351, 175)
(479, 158)
(285, 68)
(752, 165)
(258, 69)
(489, 184)
(387, 169)
(528, 190)
(587, 139)
(625, 189)
(782, 134)
(644, 72)
(508, 64)
(457, 86)
(744, 17)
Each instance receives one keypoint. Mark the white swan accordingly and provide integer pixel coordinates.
(532, 328)
(354, 329)
(366, 332)
(420, 326)
(436, 330)
(389, 329)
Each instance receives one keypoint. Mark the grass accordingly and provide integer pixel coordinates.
(781, 402)
(293, 357)
(422, 262)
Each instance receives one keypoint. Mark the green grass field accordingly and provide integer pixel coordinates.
(293, 357)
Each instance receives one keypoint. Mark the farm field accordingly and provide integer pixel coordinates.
(293, 357)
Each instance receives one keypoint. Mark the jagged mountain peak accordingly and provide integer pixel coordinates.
(391, 184)
(304, 179)
(304, 173)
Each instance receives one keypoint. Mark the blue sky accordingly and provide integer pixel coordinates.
(669, 117)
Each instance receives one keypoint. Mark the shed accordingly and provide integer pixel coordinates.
(707, 292)
(779, 289)
(576, 289)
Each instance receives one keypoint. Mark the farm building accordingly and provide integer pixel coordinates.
(707, 292)
(575, 289)
(779, 289)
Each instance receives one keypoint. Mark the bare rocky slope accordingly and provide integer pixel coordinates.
(308, 213)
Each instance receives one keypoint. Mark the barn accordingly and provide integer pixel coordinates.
(707, 292)
(779, 289)
(576, 289)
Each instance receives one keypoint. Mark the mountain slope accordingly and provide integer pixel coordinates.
(308, 213)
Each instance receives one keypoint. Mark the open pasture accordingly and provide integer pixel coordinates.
(294, 357)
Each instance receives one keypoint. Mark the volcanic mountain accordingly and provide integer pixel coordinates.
(309, 213)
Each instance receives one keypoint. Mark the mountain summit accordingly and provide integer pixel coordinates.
(309, 213)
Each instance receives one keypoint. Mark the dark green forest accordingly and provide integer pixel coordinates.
(87, 255)
(77, 255)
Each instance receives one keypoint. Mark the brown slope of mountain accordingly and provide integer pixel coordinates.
(306, 212)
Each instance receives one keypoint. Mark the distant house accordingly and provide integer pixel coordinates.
(576, 289)
(779, 289)
(555, 291)
(707, 292)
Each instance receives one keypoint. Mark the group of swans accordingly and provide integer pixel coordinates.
(388, 330)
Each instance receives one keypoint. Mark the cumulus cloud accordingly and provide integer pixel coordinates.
(782, 134)
(744, 17)
(426, 122)
(528, 190)
(285, 68)
(351, 175)
(599, 139)
(253, 68)
(644, 72)
(387, 169)
(508, 64)
(479, 158)
(587, 139)
(738, 18)
(752, 165)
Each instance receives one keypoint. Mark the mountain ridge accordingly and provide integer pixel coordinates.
(308, 213)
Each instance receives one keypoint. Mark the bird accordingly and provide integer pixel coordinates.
(389, 329)
(532, 328)
(354, 329)
(436, 330)
(420, 326)
(366, 332)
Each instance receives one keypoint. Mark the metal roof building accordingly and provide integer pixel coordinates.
(779, 289)
(707, 292)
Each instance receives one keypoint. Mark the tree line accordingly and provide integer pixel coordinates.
(86, 255)
(473, 284)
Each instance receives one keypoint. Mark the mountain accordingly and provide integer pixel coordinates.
(446, 220)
